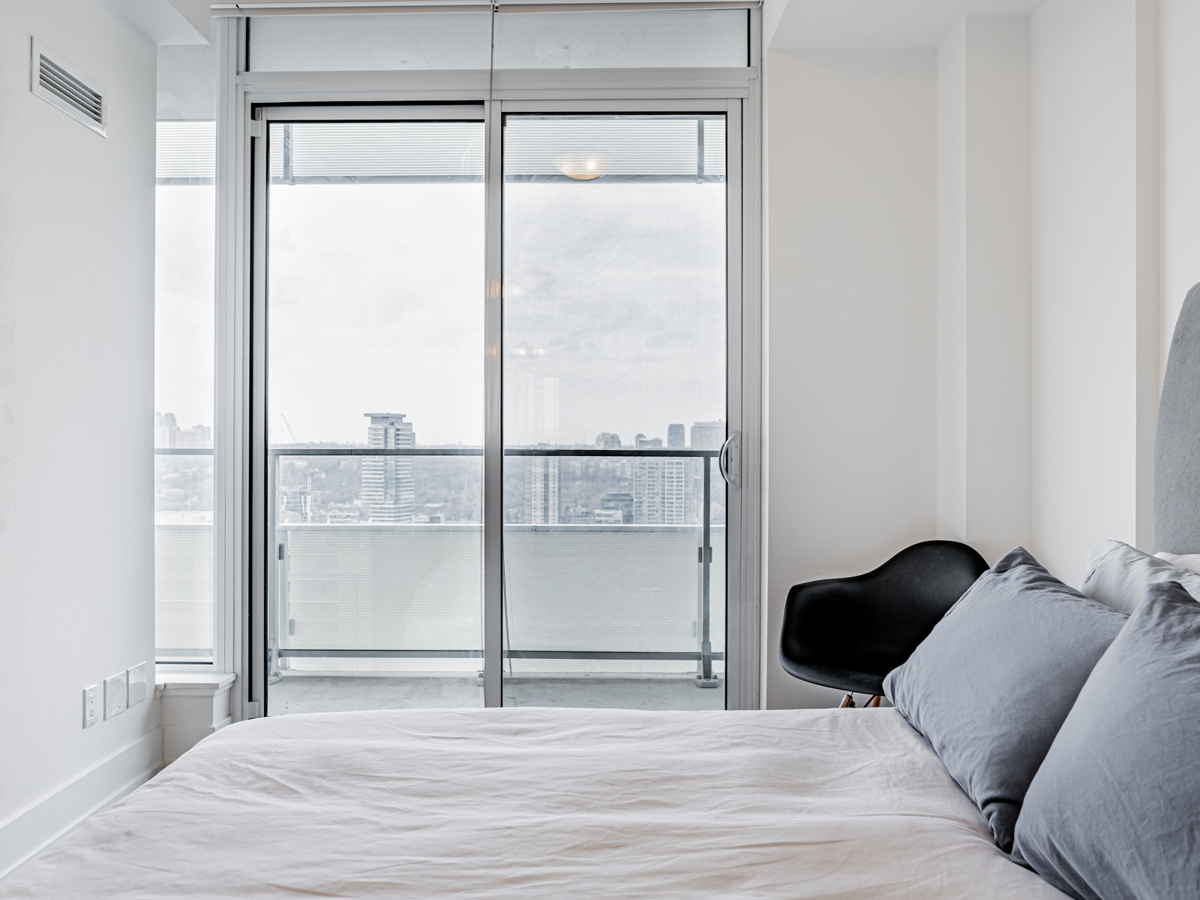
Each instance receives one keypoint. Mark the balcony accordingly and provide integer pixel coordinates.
(376, 615)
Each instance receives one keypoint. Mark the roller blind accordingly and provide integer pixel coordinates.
(687, 148)
(558, 40)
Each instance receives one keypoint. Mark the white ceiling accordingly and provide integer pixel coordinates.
(874, 24)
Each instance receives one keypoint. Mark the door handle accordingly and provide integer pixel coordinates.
(729, 461)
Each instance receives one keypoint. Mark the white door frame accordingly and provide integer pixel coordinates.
(240, 484)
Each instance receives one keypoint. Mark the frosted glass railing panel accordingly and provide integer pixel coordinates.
(183, 557)
(573, 589)
(382, 587)
(560, 40)
(622, 588)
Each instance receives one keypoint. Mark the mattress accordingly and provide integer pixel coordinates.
(543, 803)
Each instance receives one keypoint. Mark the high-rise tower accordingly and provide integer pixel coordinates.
(387, 481)
(541, 490)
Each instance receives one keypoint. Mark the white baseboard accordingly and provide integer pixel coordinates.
(40, 824)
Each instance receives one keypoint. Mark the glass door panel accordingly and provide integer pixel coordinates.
(614, 384)
(374, 373)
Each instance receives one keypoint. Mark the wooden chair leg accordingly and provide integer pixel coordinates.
(874, 704)
(847, 702)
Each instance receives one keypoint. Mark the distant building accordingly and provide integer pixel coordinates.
(708, 435)
(297, 500)
(165, 431)
(618, 502)
(579, 515)
(647, 484)
(541, 490)
(606, 440)
(608, 517)
(388, 488)
(168, 435)
(663, 488)
(196, 436)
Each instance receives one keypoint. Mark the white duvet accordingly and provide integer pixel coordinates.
(543, 803)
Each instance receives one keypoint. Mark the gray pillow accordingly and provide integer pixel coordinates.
(1118, 575)
(1114, 811)
(994, 680)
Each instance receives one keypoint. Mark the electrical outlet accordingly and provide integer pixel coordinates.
(114, 695)
(136, 676)
(91, 705)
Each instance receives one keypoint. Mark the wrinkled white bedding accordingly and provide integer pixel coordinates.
(543, 803)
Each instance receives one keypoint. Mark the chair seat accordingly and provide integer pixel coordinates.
(841, 679)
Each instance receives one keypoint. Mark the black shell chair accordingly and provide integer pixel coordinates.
(848, 633)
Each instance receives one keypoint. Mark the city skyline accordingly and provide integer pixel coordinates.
(448, 490)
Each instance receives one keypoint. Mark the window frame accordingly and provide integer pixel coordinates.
(248, 100)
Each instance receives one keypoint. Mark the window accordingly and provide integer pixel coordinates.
(185, 229)
(497, 334)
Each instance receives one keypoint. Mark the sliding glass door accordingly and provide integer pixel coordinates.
(514, 493)
(614, 236)
(374, 412)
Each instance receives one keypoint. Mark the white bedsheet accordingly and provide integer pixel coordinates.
(540, 803)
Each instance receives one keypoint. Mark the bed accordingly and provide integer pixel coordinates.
(799, 804)
(529, 803)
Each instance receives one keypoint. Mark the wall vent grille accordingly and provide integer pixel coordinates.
(64, 86)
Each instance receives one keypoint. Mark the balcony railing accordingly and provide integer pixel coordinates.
(633, 597)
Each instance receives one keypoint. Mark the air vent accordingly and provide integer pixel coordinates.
(62, 85)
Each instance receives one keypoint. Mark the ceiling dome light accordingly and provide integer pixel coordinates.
(582, 166)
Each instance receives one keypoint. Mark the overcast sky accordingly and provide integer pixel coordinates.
(614, 309)
(183, 308)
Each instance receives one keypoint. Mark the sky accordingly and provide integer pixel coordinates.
(614, 309)
(184, 321)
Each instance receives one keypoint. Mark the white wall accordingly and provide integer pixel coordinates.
(984, 330)
(1105, 199)
(76, 385)
(852, 343)
(1095, 275)
(1180, 173)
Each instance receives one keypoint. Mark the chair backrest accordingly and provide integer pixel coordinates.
(848, 633)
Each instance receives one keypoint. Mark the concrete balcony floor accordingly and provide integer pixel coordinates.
(337, 693)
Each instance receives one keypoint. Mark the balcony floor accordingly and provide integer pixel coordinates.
(337, 693)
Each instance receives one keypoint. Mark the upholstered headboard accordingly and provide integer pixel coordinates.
(1177, 443)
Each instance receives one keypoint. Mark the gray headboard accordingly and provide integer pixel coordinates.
(1177, 443)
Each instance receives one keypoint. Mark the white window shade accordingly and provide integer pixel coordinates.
(187, 153)
(610, 148)
(614, 148)
(556, 40)
(376, 152)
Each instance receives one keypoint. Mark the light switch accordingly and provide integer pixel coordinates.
(91, 705)
(137, 683)
(114, 695)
